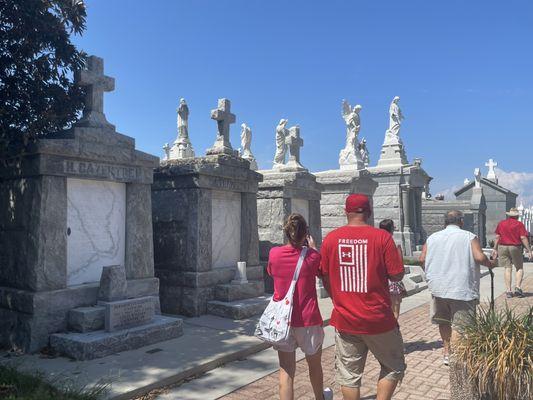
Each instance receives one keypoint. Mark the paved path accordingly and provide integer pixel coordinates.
(426, 376)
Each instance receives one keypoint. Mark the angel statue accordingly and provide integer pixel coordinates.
(363, 150)
(281, 147)
(350, 157)
(395, 118)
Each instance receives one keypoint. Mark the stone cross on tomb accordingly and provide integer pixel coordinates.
(95, 83)
(222, 114)
(492, 173)
(295, 142)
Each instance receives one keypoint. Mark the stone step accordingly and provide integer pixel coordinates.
(91, 345)
(232, 292)
(239, 309)
(86, 319)
(416, 278)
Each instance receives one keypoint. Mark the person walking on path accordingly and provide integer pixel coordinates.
(396, 289)
(452, 258)
(306, 330)
(511, 235)
(358, 261)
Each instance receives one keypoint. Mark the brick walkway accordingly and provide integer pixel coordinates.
(426, 377)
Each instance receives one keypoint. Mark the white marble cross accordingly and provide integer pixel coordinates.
(492, 173)
(95, 83)
(295, 142)
(222, 114)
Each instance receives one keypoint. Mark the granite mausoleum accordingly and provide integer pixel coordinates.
(287, 188)
(498, 199)
(473, 209)
(205, 222)
(76, 203)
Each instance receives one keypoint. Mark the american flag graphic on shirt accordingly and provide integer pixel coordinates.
(353, 260)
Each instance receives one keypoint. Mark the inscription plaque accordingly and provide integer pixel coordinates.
(125, 314)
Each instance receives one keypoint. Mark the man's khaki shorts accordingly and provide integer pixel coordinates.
(351, 352)
(509, 256)
(451, 312)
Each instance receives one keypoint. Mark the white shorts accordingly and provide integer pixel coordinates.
(308, 338)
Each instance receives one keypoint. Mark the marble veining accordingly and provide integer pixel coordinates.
(300, 206)
(226, 228)
(96, 228)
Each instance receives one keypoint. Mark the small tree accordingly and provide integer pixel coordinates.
(37, 58)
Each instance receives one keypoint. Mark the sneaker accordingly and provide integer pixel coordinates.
(509, 295)
(518, 293)
(328, 394)
(446, 360)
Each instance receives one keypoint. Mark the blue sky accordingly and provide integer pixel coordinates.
(463, 70)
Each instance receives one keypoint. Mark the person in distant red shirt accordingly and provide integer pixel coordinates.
(358, 261)
(511, 234)
(306, 329)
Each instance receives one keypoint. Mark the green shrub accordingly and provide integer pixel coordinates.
(23, 386)
(495, 349)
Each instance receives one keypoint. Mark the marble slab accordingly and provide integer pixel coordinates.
(300, 206)
(226, 228)
(125, 314)
(95, 228)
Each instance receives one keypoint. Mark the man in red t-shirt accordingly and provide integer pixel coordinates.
(357, 262)
(511, 234)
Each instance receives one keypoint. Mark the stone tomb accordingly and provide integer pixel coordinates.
(398, 196)
(289, 188)
(205, 222)
(76, 202)
(498, 200)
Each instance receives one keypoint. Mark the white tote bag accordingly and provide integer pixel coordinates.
(273, 326)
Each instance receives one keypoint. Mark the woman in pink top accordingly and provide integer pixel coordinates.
(306, 330)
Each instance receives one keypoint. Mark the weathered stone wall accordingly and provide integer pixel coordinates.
(338, 184)
(434, 211)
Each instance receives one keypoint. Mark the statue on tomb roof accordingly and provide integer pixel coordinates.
(395, 118)
(363, 150)
(281, 147)
(246, 143)
(350, 155)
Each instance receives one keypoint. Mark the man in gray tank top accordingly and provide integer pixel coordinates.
(452, 258)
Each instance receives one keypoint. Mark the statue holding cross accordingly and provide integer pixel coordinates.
(222, 114)
(290, 138)
(95, 83)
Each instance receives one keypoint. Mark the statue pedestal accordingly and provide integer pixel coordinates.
(392, 152)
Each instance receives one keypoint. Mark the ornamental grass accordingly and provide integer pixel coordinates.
(495, 349)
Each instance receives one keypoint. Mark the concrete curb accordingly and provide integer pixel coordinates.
(197, 370)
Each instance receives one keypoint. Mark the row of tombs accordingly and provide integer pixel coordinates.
(98, 238)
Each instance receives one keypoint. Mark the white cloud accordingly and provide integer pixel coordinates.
(519, 182)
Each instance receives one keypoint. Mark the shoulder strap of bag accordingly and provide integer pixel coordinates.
(303, 253)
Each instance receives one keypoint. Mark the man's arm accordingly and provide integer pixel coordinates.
(327, 286)
(397, 278)
(495, 248)
(525, 242)
(393, 262)
(479, 256)
(422, 257)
